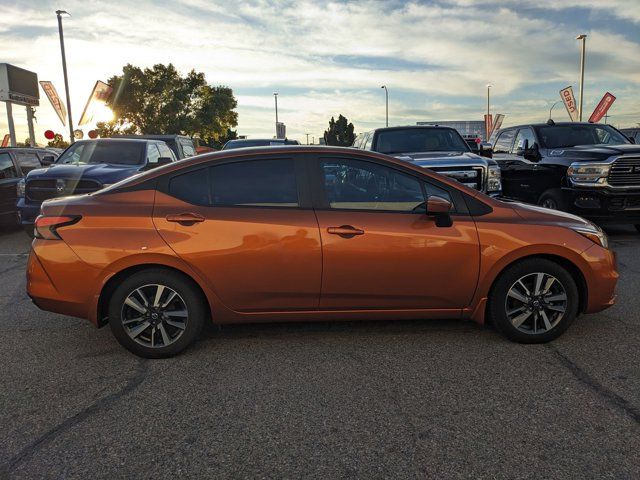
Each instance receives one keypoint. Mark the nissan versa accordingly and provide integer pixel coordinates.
(309, 233)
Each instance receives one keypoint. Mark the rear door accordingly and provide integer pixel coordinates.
(8, 179)
(247, 227)
(380, 249)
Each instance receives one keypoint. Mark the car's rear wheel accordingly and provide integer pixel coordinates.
(534, 301)
(553, 199)
(156, 313)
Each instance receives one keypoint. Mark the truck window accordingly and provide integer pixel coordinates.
(187, 148)
(504, 142)
(523, 134)
(7, 170)
(27, 161)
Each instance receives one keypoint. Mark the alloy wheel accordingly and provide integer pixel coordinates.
(536, 303)
(550, 203)
(154, 315)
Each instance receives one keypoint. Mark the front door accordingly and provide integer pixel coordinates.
(244, 227)
(380, 249)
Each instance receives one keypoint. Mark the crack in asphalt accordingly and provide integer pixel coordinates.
(608, 395)
(99, 405)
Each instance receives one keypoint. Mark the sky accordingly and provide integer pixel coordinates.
(329, 58)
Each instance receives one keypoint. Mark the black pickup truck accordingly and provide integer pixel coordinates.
(588, 169)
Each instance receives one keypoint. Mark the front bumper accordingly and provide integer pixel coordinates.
(27, 213)
(601, 278)
(605, 205)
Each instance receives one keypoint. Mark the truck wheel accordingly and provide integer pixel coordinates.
(553, 199)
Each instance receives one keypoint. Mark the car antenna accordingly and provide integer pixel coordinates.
(550, 122)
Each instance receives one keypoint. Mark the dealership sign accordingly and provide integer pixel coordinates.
(18, 85)
(53, 97)
(570, 103)
(602, 108)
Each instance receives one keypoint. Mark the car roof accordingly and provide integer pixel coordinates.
(260, 140)
(417, 127)
(545, 124)
(110, 140)
(152, 136)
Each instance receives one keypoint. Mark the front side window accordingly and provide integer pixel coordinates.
(187, 148)
(504, 142)
(165, 151)
(153, 154)
(523, 134)
(258, 183)
(360, 185)
(7, 170)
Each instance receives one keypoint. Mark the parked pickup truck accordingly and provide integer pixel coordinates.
(588, 169)
(441, 149)
(85, 167)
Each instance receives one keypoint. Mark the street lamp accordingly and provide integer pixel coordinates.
(487, 126)
(59, 14)
(551, 109)
(275, 96)
(386, 96)
(582, 37)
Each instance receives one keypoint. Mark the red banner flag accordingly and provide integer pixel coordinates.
(5, 141)
(602, 108)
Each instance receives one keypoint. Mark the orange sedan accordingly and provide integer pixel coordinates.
(308, 233)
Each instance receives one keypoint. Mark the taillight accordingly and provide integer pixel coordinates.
(46, 227)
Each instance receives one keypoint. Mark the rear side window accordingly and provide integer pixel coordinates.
(187, 148)
(7, 170)
(258, 183)
(27, 161)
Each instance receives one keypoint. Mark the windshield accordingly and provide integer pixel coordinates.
(420, 140)
(257, 143)
(123, 153)
(559, 136)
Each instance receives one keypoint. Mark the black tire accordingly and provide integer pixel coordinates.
(498, 301)
(553, 199)
(187, 294)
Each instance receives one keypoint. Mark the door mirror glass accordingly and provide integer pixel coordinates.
(486, 150)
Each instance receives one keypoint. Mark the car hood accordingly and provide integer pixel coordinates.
(547, 216)
(102, 172)
(442, 159)
(593, 152)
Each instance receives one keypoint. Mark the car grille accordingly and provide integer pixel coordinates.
(470, 176)
(625, 172)
(40, 190)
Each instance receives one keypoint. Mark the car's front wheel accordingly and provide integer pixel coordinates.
(553, 199)
(156, 313)
(534, 301)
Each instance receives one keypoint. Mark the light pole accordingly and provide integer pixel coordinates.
(386, 97)
(582, 37)
(275, 96)
(59, 14)
(551, 109)
(307, 138)
(487, 126)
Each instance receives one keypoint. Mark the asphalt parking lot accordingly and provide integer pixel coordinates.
(430, 399)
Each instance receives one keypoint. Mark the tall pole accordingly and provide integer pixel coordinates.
(488, 112)
(307, 138)
(386, 98)
(275, 95)
(32, 134)
(582, 37)
(59, 14)
(12, 128)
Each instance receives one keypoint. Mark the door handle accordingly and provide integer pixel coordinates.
(345, 231)
(185, 218)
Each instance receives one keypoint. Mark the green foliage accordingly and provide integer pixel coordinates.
(340, 132)
(58, 142)
(159, 100)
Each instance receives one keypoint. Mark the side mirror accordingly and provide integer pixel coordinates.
(439, 208)
(161, 161)
(47, 160)
(486, 150)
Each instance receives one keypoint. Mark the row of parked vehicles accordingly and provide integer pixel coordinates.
(592, 170)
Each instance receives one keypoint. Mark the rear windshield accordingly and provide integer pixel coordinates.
(420, 140)
(114, 152)
(561, 136)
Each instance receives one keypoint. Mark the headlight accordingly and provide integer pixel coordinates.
(494, 180)
(588, 173)
(595, 234)
(20, 188)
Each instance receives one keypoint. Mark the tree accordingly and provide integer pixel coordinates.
(340, 132)
(160, 100)
(58, 142)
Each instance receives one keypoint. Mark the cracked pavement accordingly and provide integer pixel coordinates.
(423, 399)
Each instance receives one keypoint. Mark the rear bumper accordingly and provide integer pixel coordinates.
(53, 271)
(604, 206)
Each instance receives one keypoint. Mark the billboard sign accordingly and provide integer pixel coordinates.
(18, 85)
(100, 94)
(56, 103)
(566, 94)
(602, 108)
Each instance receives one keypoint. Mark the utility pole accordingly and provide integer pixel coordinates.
(582, 37)
(487, 126)
(307, 138)
(275, 96)
(59, 14)
(386, 96)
